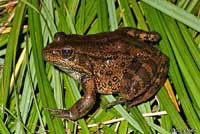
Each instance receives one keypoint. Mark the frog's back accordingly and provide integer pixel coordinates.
(130, 64)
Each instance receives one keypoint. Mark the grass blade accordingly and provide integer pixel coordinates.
(175, 12)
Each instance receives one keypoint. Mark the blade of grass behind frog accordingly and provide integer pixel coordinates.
(44, 87)
(49, 28)
(81, 17)
(190, 44)
(26, 106)
(68, 99)
(63, 17)
(3, 128)
(9, 63)
(26, 98)
(193, 4)
(112, 14)
(138, 15)
(159, 129)
(197, 41)
(90, 13)
(94, 28)
(126, 13)
(72, 6)
(108, 130)
(178, 122)
(3, 40)
(32, 122)
(175, 12)
(184, 59)
(102, 14)
(123, 128)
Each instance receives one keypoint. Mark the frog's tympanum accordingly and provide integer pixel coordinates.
(124, 61)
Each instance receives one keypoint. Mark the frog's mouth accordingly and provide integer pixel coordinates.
(67, 66)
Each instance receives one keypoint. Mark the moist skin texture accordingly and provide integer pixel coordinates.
(124, 61)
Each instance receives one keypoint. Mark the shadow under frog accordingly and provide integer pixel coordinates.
(124, 61)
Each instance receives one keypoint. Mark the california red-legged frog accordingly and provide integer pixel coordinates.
(124, 61)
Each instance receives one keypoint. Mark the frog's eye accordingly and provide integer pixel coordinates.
(67, 52)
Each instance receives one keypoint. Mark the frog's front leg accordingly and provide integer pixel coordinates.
(82, 106)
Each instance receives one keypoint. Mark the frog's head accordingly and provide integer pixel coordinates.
(61, 53)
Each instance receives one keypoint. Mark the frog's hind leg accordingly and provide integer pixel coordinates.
(142, 98)
(157, 82)
(134, 101)
(129, 96)
(132, 92)
(128, 92)
(148, 94)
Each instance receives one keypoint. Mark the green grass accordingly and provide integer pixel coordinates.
(28, 84)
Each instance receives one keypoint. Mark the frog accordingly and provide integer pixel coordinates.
(125, 62)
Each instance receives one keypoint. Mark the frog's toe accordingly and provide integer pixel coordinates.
(117, 102)
(58, 113)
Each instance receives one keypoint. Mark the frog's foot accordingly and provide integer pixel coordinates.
(117, 102)
(59, 113)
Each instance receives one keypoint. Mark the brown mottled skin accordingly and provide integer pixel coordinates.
(124, 61)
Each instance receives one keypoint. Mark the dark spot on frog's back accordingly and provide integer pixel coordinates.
(114, 78)
(101, 71)
(109, 73)
(122, 64)
(124, 71)
(114, 90)
(109, 83)
(103, 85)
